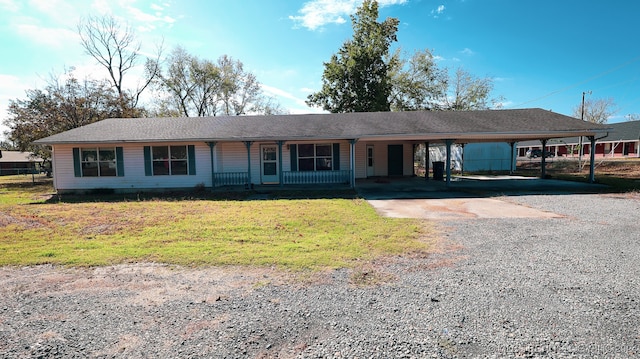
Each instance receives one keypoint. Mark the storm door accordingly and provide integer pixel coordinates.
(370, 162)
(269, 164)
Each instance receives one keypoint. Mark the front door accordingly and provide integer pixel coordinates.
(395, 160)
(370, 163)
(269, 164)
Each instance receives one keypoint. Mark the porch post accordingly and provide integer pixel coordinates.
(513, 160)
(352, 162)
(447, 164)
(543, 160)
(413, 159)
(280, 175)
(248, 144)
(462, 161)
(592, 157)
(212, 146)
(426, 160)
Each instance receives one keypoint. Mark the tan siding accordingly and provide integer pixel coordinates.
(380, 154)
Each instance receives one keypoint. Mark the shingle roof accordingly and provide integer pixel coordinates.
(17, 156)
(462, 126)
(622, 131)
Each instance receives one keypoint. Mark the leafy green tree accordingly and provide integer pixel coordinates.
(60, 106)
(356, 78)
(469, 93)
(418, 84)
(363, 76)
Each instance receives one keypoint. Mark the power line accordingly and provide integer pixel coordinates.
(581, 82)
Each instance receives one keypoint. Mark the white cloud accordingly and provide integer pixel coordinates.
(102, 7)
(293, 104)
(11, 87)
(53, 37)
(438, 11)
(276, 92)
(317, 13)
(10, 5)
(467, 51)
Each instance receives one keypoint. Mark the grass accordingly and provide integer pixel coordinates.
(38, 227)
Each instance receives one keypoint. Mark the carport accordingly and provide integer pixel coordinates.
(464, 127)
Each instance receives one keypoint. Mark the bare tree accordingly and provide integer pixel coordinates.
(199, 87)
(633, 117)
(596, 110)
(240, 90)
(114, 46)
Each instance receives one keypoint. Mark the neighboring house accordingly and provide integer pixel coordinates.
(142, 154)
(622, 140)
(15, 162)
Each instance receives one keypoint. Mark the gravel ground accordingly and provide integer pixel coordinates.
(494, 288)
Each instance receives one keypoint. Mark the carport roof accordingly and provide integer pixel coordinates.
(618, 132)
(460, 126)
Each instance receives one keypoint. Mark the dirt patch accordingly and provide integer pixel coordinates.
(7, 220)
(145, 284)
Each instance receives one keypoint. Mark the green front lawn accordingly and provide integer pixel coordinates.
(36, 228)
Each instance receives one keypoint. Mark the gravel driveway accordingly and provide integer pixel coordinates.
(564, 287)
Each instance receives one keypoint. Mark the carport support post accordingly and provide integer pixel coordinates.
(592, 158)
(513, 160)
(448, 144)
(426, 160)
(543, 160)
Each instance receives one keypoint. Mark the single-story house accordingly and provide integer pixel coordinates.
(16, 162)
(622, 140)
(140, 154)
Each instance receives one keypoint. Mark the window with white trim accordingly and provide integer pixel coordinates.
(98, 162)
(315, 157)
(169, 160)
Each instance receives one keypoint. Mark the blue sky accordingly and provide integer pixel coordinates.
(539, 53)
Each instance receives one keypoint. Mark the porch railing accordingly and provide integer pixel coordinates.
(313, 177)
(230, 178)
